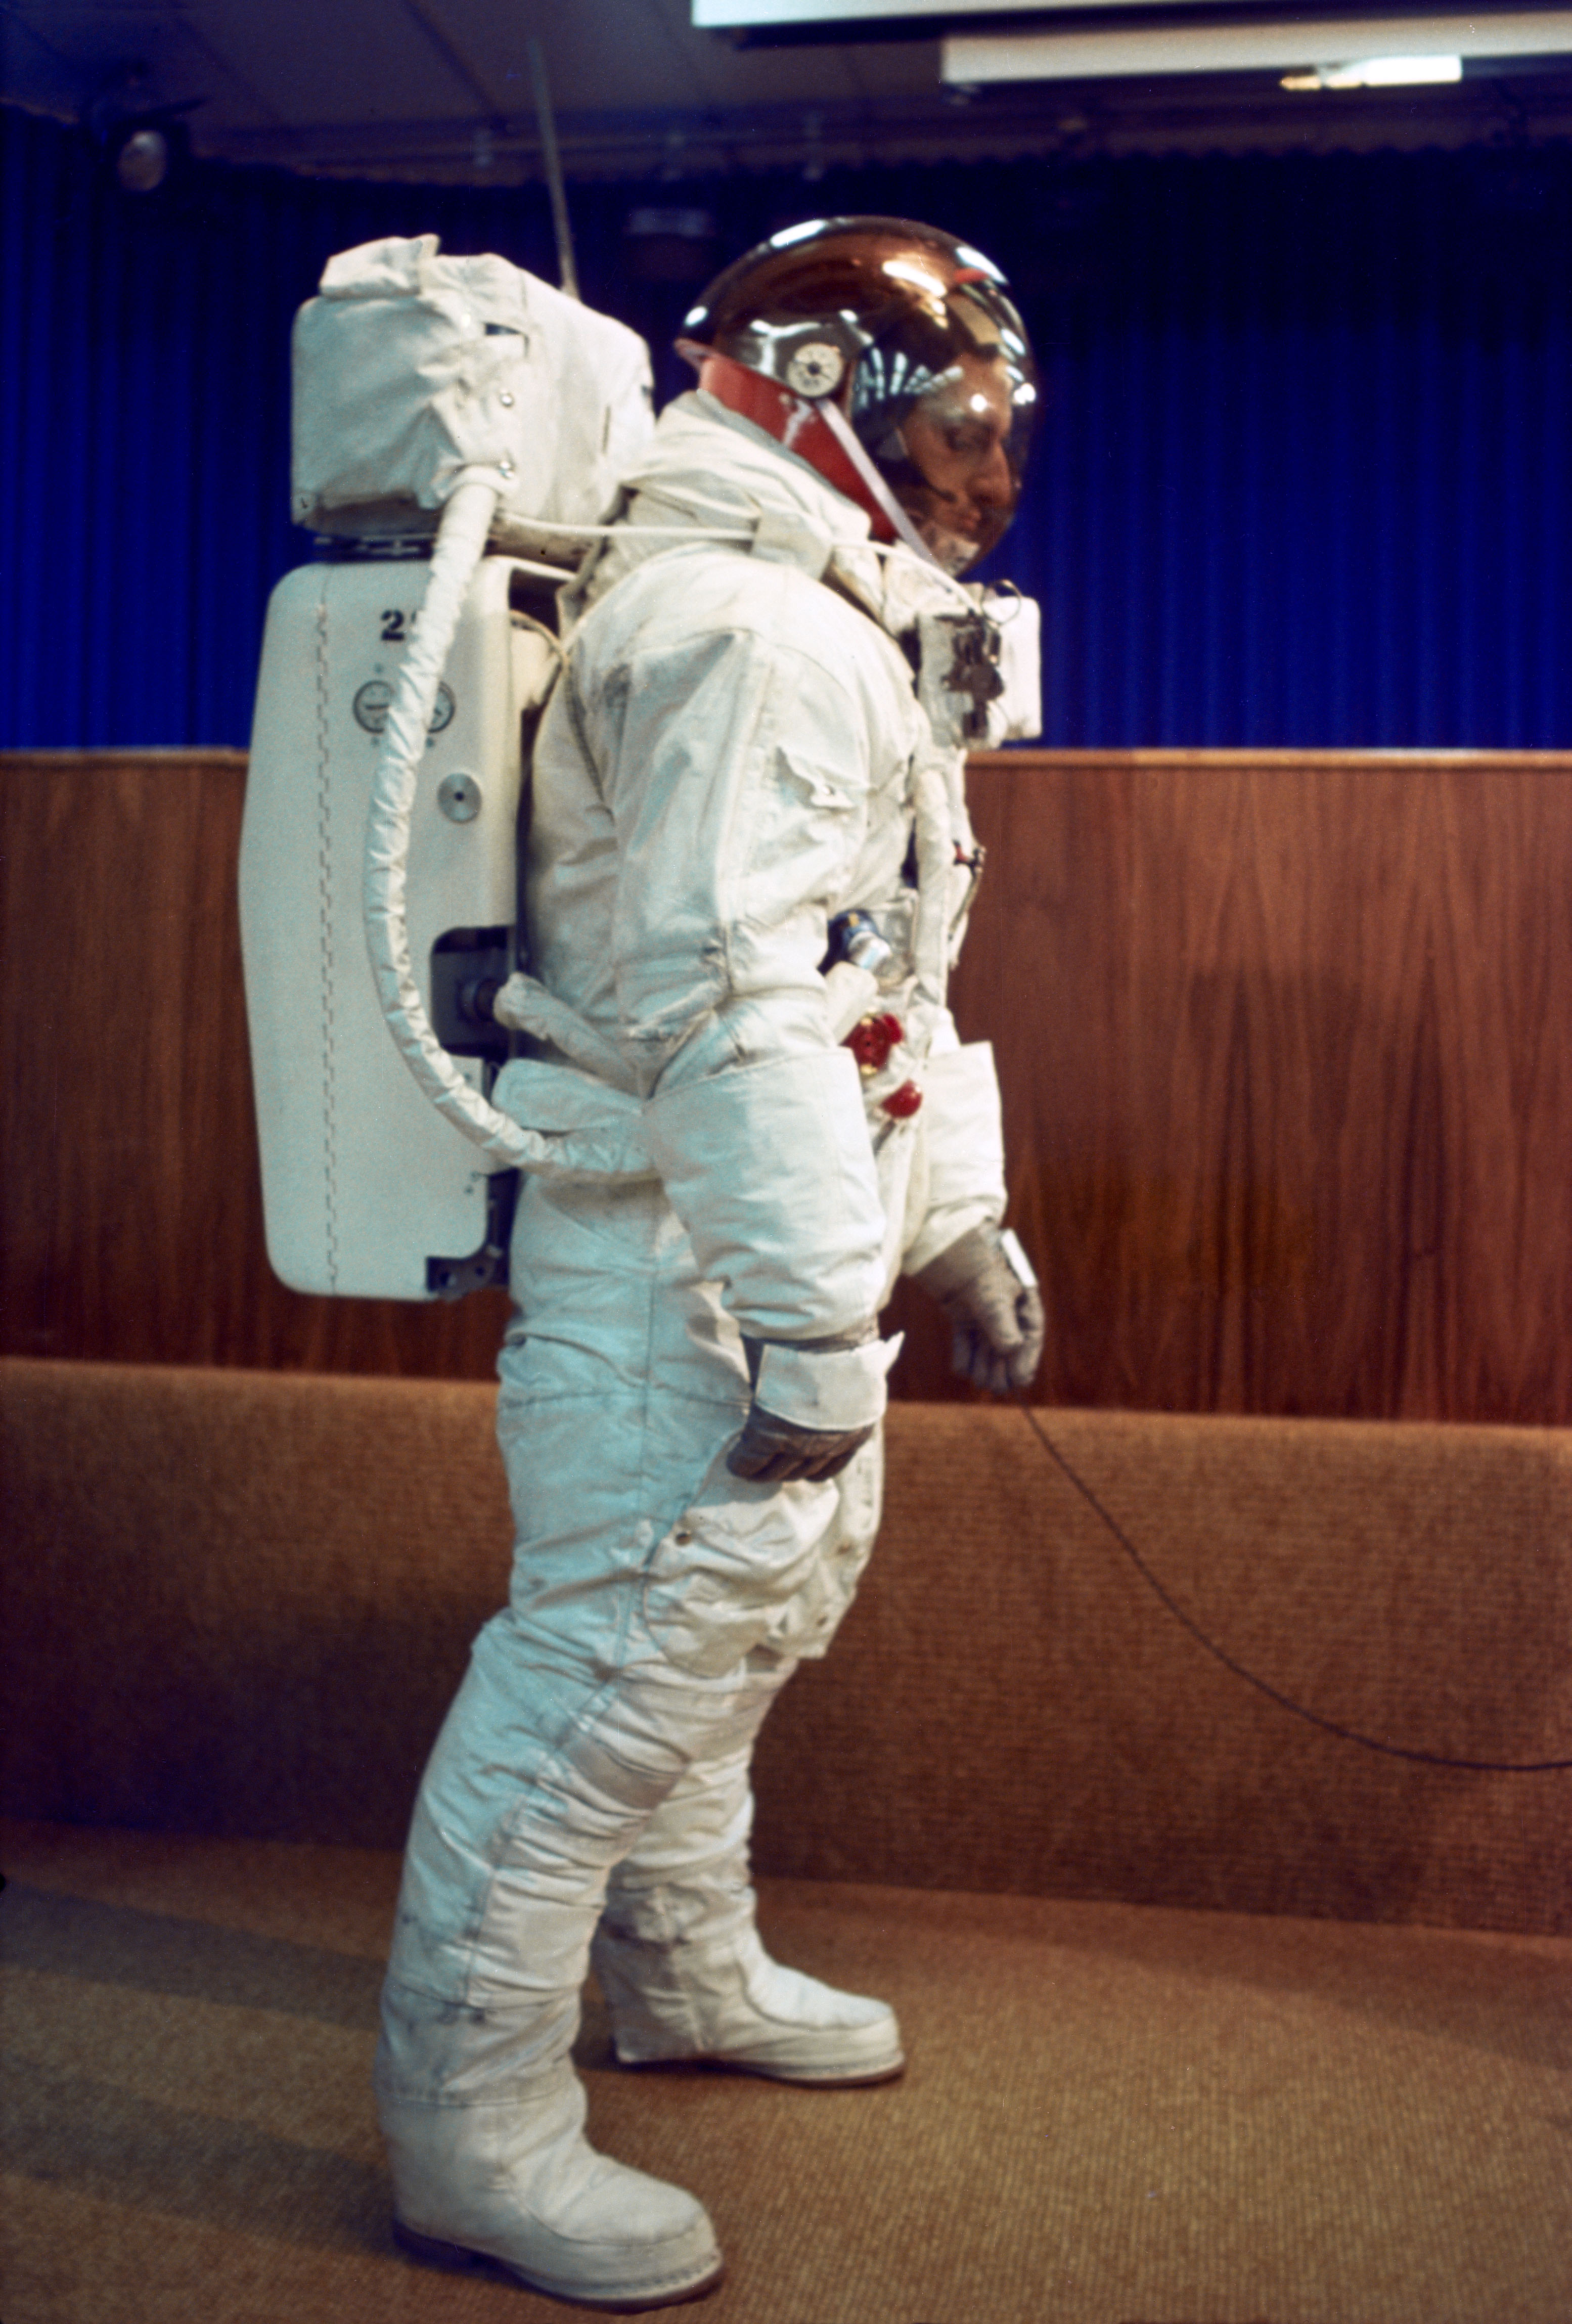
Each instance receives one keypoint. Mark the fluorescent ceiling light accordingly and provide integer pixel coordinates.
(735, 15)
(969, 60)
(1378, 72)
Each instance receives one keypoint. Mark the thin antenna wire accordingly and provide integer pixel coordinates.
(567, 272)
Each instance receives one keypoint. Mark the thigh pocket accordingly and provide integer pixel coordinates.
(729, 1574)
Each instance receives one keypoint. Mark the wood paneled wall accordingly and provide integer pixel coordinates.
(1284, 1037)
(1286, 1045)
(134, 1222)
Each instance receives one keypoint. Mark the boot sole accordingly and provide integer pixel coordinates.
(859, 2078)
(433, 2252)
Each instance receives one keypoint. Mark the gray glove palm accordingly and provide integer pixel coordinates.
(775, 1451)
(994, 1306)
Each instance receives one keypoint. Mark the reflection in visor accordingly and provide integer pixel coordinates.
(944, 401)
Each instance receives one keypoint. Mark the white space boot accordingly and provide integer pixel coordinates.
(511, 2178)
(684, 1975)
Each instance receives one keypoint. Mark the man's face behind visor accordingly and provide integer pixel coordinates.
(959, 398)
(961, 488)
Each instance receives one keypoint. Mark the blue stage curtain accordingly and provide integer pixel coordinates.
(1301, 481)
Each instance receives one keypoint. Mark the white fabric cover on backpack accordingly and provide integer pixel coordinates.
(412, 371)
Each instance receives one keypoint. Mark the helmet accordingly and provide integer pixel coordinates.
(890, 356)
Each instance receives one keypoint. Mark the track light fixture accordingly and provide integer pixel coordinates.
(145, 148)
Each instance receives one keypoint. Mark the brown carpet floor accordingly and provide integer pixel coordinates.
(1114, 2114)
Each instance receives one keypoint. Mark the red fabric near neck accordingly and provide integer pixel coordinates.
(794, 423)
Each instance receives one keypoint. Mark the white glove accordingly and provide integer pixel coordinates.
(985, 1285)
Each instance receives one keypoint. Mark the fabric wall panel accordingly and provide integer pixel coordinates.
(1302, 479)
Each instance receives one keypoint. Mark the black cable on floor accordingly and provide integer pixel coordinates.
(1262, 1686)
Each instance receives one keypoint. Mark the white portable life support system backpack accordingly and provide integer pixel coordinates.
(443, 408)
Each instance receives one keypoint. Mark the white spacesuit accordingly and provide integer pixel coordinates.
(749, 841)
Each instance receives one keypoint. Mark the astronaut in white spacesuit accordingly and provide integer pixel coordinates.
(750, 863)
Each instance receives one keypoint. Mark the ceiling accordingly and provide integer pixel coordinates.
(440, 90)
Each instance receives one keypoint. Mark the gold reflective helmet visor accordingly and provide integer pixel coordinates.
(913, 335)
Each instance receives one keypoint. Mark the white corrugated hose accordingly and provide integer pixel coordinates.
(460, 541)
